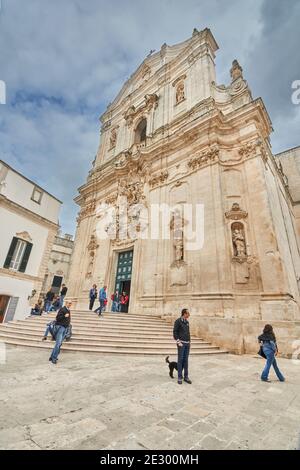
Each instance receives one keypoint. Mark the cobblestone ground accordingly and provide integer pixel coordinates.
(100, 402)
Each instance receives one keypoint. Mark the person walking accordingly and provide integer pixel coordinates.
(268, 344)
(115, 302)
(124, 302)
(102, 299)
(48, 300)
(93, 296)
(181, 334)
(63, 321)
(63, 294)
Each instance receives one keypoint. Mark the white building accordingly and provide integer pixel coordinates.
(29, 224)
(59, 263)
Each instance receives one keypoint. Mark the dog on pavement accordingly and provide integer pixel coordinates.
(172, 366)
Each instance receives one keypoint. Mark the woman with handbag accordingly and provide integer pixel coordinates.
(269, 349)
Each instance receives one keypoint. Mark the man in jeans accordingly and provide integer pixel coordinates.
(102, 300)
(181, 333)
(63, 320)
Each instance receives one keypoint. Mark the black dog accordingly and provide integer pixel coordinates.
(172, 366)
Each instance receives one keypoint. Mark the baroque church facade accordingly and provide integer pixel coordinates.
(173, 139)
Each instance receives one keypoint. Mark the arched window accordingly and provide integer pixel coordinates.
(141, 131)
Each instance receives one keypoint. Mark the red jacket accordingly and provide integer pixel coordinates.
(124, 299)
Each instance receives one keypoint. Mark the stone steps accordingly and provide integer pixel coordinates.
(113, 334)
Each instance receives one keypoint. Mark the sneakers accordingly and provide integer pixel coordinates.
(266, 380)
(44, 338)
(188, 381)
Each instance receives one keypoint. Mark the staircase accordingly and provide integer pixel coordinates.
(114, 333)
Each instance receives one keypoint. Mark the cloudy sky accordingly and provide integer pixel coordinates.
(63, 61)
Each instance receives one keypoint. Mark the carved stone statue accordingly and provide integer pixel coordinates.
(178, 244)
(239, 242)
(180, 92)
(236, 70)
(113, 138)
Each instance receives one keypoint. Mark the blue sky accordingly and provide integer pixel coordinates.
(63, 61)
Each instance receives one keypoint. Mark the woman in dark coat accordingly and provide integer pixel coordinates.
(268, 342)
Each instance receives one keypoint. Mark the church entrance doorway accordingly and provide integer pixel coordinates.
(123, 278)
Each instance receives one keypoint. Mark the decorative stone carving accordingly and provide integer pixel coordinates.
(129, 115)
(238, 241)
(180, 94)
(205, 157)
(250, 149)
(86, 210)
(92, 247)
(158, 178)
(132, 190)
(113, 138)
(177, 226)
(145, 71)
(236, 213)
(24, 236)
(132, 113)
(151, 100)
(236, 70)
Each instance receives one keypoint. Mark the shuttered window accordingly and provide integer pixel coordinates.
(18, 255)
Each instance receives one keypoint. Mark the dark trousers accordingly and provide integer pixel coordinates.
(92, 300)
(101, 307)
(183, 360)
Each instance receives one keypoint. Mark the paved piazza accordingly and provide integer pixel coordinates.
(102, 402)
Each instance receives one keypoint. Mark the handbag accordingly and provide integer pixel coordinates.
(261, 353)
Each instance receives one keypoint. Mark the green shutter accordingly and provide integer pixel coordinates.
(25, 259)
(10, 252)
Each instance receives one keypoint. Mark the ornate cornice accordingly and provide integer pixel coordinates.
(203, 158)
(158, 178)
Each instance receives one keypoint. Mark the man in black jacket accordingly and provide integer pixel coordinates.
(181, 333)
(63, 293)
(63, 320)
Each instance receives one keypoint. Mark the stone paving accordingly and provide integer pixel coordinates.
(95, 401)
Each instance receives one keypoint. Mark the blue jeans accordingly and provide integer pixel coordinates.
(59, 337)
(48, 305)
(115, 306)
(183, 360)
(49, 329)
(101, 306)
(271, 361)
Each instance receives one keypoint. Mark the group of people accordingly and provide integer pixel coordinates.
(52, 302)
(61, 329)
(119, 302)
(181, 334)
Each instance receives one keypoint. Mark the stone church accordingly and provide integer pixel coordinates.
(173, 140)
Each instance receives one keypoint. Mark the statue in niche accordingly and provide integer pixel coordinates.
(238, 240)
(180, 92)
(177, 224)
(113, 138)
(178, 244)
